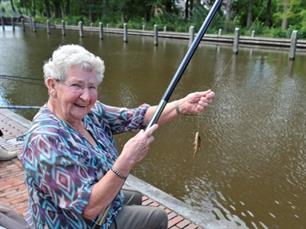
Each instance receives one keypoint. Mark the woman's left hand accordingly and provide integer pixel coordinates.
(195, 102)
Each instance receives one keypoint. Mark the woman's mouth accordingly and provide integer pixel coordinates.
(79, 105)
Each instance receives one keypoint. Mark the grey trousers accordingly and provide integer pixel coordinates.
(135, 216)
(10, 219)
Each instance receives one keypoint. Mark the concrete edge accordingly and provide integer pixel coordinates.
(168, 201)
(17, 118)
(205, 219)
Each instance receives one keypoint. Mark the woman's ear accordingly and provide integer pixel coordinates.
(51, 84)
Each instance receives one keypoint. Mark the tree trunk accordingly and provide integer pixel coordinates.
(33, 8)
(250, 14)
(187, 10)
(148, 12)
(57, 6)
(228, 8)
(67, 7)
(190, 8)
(89, 13)
(168, 5)
(269, 13)
(12, 6)
(47, 8)
(285, 14)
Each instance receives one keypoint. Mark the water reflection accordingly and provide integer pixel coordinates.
(250, 170)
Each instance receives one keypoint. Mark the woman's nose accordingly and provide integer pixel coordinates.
(85, 94)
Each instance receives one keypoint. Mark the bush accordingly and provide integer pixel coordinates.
(40, 19)
(258, 27)
(74, 20)
(279, 32)
(229, 27)
(136, 23)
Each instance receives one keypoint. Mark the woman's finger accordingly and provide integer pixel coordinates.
(150, 139)
(149, 131)
(203, 104)
(210, 94)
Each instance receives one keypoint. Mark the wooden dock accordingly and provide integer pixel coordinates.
(13, 190)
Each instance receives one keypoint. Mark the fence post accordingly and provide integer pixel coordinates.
(13, 23)
(253, 33)
(236, 41)
(191, 34)
(81, 31)
(101, 30)
(155, 35)
(23, 25)
(63, 28)
(48, 27)
(34, 25)
(143, 27)
(220, 32)
(165, 28)
(2, 23)
(125, 33)
(31, 23)
(294, 37)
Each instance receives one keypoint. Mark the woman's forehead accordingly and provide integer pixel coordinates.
(78, 74)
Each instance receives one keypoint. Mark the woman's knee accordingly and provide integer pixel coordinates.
(132, 197)
(161, 218)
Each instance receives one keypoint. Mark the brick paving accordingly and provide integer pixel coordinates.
(13, 190)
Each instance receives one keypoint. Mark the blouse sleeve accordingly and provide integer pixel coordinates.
(59, 176)
(124, 119)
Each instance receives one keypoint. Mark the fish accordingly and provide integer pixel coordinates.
(196, 143)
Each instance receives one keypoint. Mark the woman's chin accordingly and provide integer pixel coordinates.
(79, 112)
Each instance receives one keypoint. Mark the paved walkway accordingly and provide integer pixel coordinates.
(13, 190)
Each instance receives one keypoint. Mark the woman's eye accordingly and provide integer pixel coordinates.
(75, 85)
(93, 87)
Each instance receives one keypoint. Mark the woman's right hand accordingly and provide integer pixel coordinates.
(136, 149)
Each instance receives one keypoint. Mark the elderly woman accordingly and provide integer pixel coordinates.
(73, 171)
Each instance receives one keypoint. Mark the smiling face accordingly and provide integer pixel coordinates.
(73, 98)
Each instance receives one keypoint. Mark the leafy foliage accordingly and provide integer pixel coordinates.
(267, 17)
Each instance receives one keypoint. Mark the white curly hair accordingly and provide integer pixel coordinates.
(67, 56)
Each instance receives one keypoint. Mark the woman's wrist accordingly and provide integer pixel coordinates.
(122, 165)
(178, 107)
(118, 174)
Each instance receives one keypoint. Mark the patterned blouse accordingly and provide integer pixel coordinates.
(61, 166)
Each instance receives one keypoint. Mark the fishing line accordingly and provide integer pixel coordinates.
(185, 61)
(22, 79)
(221, 73)
(256, 19)
(197, 137)
(18, 107)
(19, 77)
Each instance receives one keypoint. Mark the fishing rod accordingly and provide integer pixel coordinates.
(178, 74)
(19, 107)
(19, 77)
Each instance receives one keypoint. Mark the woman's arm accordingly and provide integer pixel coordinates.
(136, 149)
(193, 103)
(122, 119)
(104, 192)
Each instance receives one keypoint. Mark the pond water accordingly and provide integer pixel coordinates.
(251, 167)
